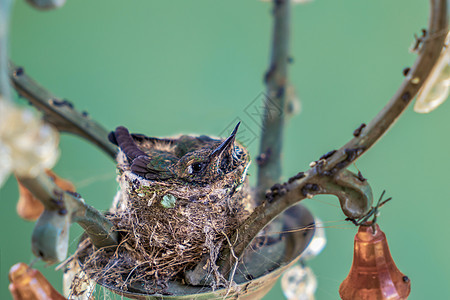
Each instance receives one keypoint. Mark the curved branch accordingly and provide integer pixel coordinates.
(51, 233)
(419, 72)
(300, 187)
(60, 113)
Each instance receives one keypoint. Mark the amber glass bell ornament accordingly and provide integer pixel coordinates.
(30, 284)
(373, 274)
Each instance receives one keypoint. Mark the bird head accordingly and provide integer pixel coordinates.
(213, 160)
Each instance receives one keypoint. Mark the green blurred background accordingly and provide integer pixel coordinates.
(168, 67)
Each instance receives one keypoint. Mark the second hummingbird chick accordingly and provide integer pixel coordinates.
(189, 159)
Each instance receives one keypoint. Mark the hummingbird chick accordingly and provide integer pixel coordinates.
(179, 199)
(192, 159)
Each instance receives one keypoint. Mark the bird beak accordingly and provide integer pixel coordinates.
(227, 145)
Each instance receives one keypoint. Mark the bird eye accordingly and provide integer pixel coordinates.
(238, 152)
(195, 167)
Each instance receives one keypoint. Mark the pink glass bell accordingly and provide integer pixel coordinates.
(373, 274)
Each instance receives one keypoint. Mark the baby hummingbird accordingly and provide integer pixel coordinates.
(190, 159)
(179, 199)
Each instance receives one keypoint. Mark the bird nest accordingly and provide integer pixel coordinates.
(165, 229)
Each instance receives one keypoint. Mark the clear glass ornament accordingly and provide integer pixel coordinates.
(318, 242)
(299, 283)
(436, 89)
(27, 144)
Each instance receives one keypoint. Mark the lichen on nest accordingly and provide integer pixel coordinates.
(166, 227)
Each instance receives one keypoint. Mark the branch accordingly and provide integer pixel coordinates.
(60, 113)
(317, 178)
(51, 232)
(269, 166)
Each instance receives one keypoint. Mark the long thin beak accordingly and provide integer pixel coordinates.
(228, 144)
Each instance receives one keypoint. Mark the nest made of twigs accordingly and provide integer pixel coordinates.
(166, 228)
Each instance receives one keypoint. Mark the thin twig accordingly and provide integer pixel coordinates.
(60, 113)
(269, 170)
(295, 189)
(235, 265)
